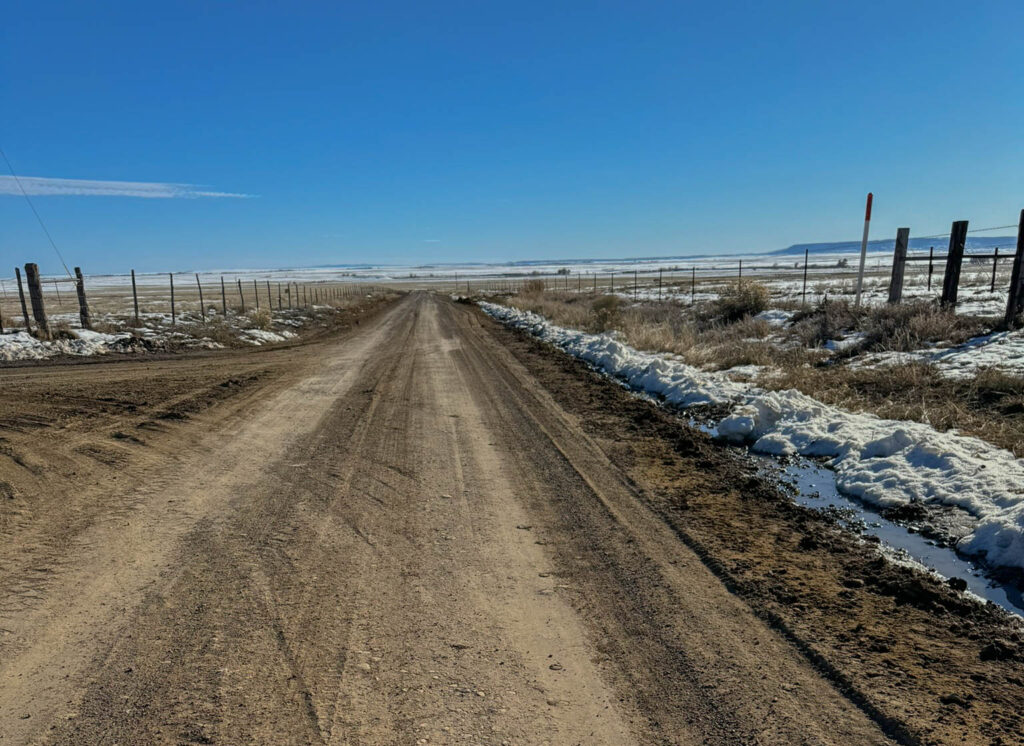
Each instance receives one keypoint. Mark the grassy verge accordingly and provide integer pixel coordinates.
(724, 333)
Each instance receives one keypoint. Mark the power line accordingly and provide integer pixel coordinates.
(35, 212)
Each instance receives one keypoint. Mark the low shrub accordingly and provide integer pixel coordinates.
(745, 298)
(606, 312)
(261, 319)
(533, 287)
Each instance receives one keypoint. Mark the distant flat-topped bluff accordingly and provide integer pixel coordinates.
(886, 244)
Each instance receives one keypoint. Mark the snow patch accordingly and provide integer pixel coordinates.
(775, 316)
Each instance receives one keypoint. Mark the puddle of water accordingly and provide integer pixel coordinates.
(815, 487)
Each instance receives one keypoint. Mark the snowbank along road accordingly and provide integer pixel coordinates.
(394, 535)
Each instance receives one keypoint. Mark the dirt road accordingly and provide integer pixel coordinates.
(393, 536)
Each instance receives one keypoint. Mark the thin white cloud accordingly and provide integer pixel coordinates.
(42, 186)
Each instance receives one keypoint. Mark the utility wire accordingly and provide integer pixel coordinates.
(972, 230)
(35, 212)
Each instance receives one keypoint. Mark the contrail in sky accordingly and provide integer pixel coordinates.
(42, 186)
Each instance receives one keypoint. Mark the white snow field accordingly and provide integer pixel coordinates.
(883, 462)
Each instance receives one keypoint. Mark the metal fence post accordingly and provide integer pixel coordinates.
(803, 293)
(135, 300)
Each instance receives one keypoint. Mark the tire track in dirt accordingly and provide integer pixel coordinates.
(410, 541)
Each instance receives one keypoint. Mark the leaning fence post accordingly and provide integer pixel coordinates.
(1015, 300)
(83, 306)
(241, 294)
(24, 308)
(202, 305)
(954, 258)
(56, 289)
(899, 263)
(35, 294)
(135, 300)
(223, 297)
(174, 318)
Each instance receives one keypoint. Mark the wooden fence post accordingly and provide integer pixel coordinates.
(279, 306)
(135, 300)
(56, 289)
(1015, 300)
(174, 317)
(83, 307)
(693, 285)
(995, 266)
(270, 298)
(899, 264)
(223, 297)
(659, 284)
(241, 294)
(931, 266)
(35, 294)
(954, 258)
(740, 275)
(256, 292)
(21, 294)
(202, 305)
(612, 289)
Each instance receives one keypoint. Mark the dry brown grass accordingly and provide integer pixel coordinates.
(740, 300)
(989, 406)
(261, 319)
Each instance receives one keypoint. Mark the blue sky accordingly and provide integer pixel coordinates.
(412, 132)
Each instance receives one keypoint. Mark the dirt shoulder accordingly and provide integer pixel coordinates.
(924, 661)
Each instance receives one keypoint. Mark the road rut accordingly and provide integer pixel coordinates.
(411, 542)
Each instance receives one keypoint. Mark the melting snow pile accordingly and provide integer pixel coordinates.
(884, 462)
(260, 336)
(775, 316)
(23, 346)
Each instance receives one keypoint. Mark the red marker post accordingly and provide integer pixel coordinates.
(863, 248)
